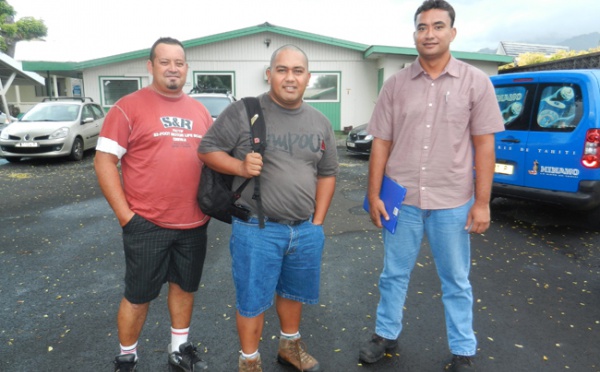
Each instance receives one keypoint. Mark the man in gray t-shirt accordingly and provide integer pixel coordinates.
(297, 182)
(300, 147)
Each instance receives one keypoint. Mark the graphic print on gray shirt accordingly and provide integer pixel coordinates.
(300, 146)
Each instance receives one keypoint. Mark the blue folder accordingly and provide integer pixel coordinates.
(392, 194)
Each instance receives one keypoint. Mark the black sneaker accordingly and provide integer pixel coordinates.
(376, 348)
(186, 359)
(461, 363)
(125, 363)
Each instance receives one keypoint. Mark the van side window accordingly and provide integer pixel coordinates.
(559, 108)
(514, 104)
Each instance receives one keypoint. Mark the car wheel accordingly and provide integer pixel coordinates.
(77, 150)
(13, 159)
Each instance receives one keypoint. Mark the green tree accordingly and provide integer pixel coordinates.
(11, 32)
(533, 58)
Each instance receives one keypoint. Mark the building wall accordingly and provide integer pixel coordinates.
(488, 68)
(249, 56)
(24, 96)
(393, 64)
(129, 69)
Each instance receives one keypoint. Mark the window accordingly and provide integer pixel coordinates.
(98, 113)
(323, 87)
(214, 81)
(87, 113)
(515, 102)
(40, 91)
(48, 90)
(559, 108)
(113, 89)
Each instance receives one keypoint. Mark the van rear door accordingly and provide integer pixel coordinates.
(556, 137)
(515, 100)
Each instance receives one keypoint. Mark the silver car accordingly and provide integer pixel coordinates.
(214, 100)
(4, 119)
(65, 126)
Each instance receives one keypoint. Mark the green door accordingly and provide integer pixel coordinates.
(323, 93)
(332, 110)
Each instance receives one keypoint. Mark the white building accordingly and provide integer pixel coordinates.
(12, 76)
(346, 76)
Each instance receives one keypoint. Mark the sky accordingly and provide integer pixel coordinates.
(80, 30)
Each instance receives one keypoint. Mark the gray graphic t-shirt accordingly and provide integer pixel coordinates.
(300, 146)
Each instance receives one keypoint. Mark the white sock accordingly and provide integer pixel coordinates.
(292, 336)
(254, 355)
(126, 350)
(178, 337)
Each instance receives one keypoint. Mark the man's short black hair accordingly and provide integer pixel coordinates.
(164, 40)
(436, 4)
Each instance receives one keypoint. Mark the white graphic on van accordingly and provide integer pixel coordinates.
(546, 170)
(510, 97)
(557, 108)
(556, 152)
(539, 151)
(511, 101)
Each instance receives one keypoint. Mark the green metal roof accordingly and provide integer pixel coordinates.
(74, 69)
(267, 27)
(57, 68)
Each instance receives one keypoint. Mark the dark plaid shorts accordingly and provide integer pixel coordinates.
(155, 255)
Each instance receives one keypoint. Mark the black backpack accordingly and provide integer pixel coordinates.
(215, 196)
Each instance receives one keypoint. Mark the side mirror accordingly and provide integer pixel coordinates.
(87, 120)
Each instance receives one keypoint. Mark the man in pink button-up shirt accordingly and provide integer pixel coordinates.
(434, 125)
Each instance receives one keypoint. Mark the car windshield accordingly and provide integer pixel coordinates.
(49, 112)
(214, 105)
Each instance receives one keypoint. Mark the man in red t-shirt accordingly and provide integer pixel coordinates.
(154, 134)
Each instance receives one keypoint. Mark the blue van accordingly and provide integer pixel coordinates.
(550, 149)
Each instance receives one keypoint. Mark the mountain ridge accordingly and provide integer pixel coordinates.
(578, 42)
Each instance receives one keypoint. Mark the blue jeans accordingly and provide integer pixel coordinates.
(450, 245)
(278, 259)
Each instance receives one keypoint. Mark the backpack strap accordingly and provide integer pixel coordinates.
(258, 129)
(258, 136)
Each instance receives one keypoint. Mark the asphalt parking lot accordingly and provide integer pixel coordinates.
(536, 280)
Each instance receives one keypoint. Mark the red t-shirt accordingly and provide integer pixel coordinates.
(157, 138)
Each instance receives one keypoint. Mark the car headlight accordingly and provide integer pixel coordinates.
(60, 133)
(4, 135)
(368, 137)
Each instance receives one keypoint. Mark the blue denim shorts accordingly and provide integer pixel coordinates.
(278, 259)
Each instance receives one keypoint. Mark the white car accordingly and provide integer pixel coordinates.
(64, 126)
(4, 119)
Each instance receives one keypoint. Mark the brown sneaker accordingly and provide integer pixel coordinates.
(292, 353)
(250, 365)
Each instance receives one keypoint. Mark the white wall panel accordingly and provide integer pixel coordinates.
(247, 57)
